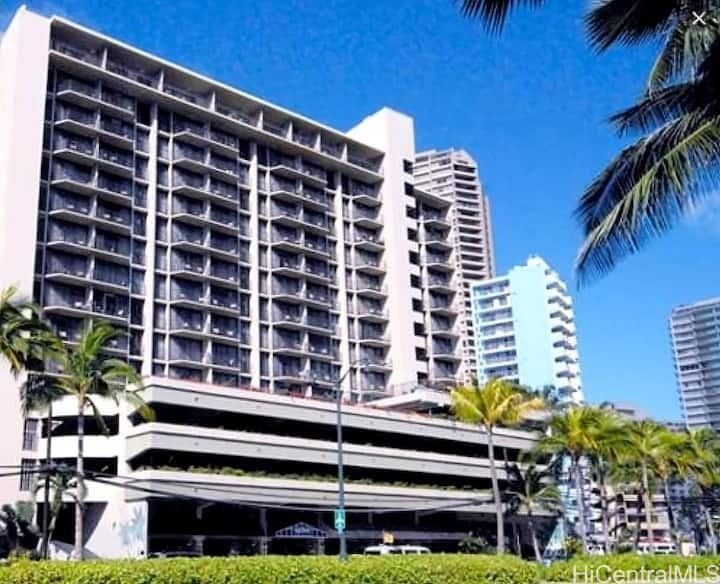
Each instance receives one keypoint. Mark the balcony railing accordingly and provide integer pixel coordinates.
(135, 74)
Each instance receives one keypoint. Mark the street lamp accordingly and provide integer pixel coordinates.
(340, 513)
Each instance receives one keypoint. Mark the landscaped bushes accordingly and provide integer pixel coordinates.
(430, 569)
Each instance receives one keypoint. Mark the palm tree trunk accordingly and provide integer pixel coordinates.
(648, 505)
(79, 469)
(500, 525)
(533, 536)
(575, 470)
(711, 530)
(638, 520)
(671, 515)
(46, 488)
(604, 511)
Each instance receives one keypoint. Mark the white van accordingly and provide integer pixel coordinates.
(384, 550)
(658, 549)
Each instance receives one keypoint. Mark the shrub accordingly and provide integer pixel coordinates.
(430, 569)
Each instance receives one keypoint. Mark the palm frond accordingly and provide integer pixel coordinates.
(641, 194)
(494, 13)
(685, 48)
(657, 109)
(628, 22)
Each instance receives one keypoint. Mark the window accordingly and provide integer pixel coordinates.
(415, 281)
(419, 328)
(27, 473)
(420, 354)
(30, 434)
(408, 166)
(417, 304)
(409, 189)
(411, 212)
(414, 258)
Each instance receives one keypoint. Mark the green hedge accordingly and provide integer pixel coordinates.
(431, 569)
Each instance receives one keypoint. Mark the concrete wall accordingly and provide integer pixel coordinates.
(393, 133)
(23, 70)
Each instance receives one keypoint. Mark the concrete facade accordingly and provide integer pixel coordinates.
(525, 330)
(695, 334)
(453, 175)
(252, 256)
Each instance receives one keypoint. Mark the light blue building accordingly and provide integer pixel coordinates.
(525, 330)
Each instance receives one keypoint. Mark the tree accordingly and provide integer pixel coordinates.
(673, 164)
(37, 394)
(23, 336)
(704, 447)
(647, 440)
(572, 434)
(529, 490)
(611, 444)
(674, 458)
(494, 404)
(88, 373)
(62, 481)
(17, 532)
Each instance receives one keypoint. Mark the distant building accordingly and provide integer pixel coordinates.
(525, 330)
(695, 331)
(452, 174)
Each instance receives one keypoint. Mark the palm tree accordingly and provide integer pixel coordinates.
(611, 444)
(674, 458)
(23, 336)
(572, 434)
(62, 481)
(673, 165)
(88, 373)
(529, 490)
(37, 394)
(494, 404)
(648, 443)
(704, 447)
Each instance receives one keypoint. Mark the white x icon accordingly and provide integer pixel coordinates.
(699, 18)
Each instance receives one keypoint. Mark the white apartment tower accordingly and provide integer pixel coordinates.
(253, 257)
(695, 331)
(453, 175)
(525, 330)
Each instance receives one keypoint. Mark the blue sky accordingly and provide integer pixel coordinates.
(529, 105)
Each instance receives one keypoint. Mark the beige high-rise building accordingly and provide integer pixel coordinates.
(452, 174)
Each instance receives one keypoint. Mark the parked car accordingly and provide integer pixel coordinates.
(658, 549)
(384, 550)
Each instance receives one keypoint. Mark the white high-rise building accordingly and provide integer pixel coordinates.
(695, 331)
(525, 330)
(252, 256)
(452, 174)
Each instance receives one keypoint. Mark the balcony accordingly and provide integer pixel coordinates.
(439, 262)
(371, 312)
(369, 264)
(237, 114)
(81, 54)
(365, 194)
(370, 288)
(137, 75)
(436, 239)
(440, 305)
(296, 217)
(369, 241)
(291, 168)
(366, 216)
(433, 218)
(444, 328)
(443, 284)
(373, 336)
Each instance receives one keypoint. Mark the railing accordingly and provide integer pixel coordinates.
(66, 142)
(70, 173)
(236, 114)
(184, 95)
(332, 149)
(306, 139)
(115, 185)
(368, 237)
(273, 128)
(363, 162)
(77, 86)
(135, 74)
(117, 127)
(77, 53)
(118, 100)
(116, 157)
(223, 138)
(181, 151)
(76, 115)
